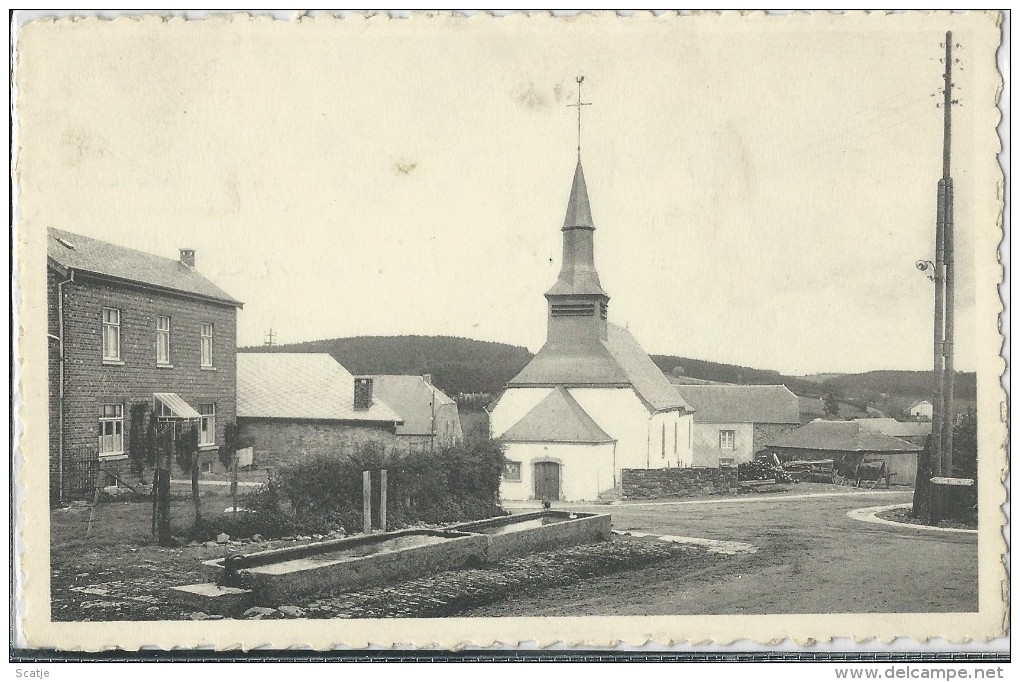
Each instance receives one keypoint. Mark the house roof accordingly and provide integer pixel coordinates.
(618, 361)
(841, 437)
(557, 418)
(68, 251)
(308, 386)
(890, 427)
(721, 403)
(920, 402)
(412, 398)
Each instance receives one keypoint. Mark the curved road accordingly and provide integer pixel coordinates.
(812, 558)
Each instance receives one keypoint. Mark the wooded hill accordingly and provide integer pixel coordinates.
(460, 365)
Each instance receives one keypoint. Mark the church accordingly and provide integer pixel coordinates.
(591, 403)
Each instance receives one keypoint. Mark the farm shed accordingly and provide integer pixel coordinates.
(848, 441)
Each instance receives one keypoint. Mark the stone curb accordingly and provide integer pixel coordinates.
(869, 515)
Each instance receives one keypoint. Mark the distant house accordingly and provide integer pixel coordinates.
(430, 417)
(292, 406)
(912, 432)
(922, 409)
(129, 329)
(732, 423)
(848, 443)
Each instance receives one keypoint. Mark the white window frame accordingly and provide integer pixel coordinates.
(206, 424)
(727, 439)
(506, 471)
(111, 333)
(115, 421)
(163, 340)
(206, 332)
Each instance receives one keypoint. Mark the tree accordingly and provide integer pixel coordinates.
(830, 405)
(138, 440)
(187, 459)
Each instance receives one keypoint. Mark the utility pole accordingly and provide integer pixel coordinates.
(950, 304)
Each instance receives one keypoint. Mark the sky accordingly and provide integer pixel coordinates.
(760, 192)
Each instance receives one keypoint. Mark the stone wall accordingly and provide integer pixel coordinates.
(279, 442)
(765, 434)
(647, 484)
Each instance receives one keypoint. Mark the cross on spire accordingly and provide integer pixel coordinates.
(578, 105)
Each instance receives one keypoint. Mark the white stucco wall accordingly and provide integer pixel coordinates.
(585, 470)
(706, 443)
(512, 406)
(623, 416)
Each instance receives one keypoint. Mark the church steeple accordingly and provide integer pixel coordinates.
(578, 305)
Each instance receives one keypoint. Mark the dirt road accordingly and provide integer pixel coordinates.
(812, 558)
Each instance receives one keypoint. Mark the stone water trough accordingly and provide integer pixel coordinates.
(279, 576)
(520, 534)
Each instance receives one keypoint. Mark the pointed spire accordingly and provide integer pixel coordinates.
(578, 208)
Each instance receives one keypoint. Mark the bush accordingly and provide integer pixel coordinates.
(324, 493)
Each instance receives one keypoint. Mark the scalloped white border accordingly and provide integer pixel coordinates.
(823, 631)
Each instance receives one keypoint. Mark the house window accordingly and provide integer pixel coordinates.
(512, 471)
(727, 440)
(111, 334)
(207, 337)
(162, 340)
(726, 462)
(207, 428)
(207, 467)
(111, 430)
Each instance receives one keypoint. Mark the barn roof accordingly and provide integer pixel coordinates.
(68, 251)
(305, 386)
(890, 427)
(841, 437)
(557, 418)
(721, 403)
(412, 398)
(617, 361)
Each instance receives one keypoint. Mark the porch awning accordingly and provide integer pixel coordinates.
(176, 405)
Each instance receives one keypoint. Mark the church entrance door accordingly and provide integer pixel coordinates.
(547, 481)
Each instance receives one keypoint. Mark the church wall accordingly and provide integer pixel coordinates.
(585, 470)
(669, 440)
(512, 406)
(623, 416)
(707, 450)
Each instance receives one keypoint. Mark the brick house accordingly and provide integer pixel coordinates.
(733, 422)
(127, 328)
(294, 406)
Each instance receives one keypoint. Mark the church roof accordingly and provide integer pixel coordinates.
(722, 403)
(841, 437)
(617, 361)
(557, 418)
(578, 208)
(578, 276)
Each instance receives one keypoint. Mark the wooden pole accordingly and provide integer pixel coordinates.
(382, 500)
(947, 177)
(233, 486)
(938, 370)
(948, 412)
(366, 499)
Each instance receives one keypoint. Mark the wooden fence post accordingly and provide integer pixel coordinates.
(382, 500)
(366, 497)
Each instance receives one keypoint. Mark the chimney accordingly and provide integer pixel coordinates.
(188, 257)
(427, 378)
(362, 393)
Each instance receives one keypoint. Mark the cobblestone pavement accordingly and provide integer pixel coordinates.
(449, 593)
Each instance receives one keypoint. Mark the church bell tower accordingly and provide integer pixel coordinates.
(578, 305)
